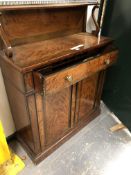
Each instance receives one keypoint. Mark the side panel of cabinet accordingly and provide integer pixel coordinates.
(24, 115)
(23, 108)
(86, 96)
(57, 118)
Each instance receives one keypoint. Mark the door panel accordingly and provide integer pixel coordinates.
(57, 114)
(86, 95)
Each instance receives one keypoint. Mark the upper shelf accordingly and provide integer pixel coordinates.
(9, 6)
(34, 55)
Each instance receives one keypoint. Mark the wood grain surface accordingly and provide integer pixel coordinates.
(57, 114)
(55, 76)
(87, 95)
(34, 55)
(57, 81)
(44, 6)
(32, 25)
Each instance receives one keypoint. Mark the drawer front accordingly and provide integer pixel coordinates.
(67, 77)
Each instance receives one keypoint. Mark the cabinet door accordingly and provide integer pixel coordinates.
(57, 110)
(86, 96)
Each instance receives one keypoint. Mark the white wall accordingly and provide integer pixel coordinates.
(90, 24)
(5, 114)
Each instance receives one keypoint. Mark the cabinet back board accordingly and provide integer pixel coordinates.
(23, 26)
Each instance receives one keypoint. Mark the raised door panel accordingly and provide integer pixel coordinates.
(57, 115)
(86, 95)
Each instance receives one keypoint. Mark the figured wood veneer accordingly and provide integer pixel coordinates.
(57, 114)
(58, 49)
(87, 95)
(47, 109)
(28, 26)
(57, 81)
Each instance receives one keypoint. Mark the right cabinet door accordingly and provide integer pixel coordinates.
(88, 95)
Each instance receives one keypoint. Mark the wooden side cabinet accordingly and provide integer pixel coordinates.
(53, 72)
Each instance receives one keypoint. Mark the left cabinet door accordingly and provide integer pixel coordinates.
(56, 111)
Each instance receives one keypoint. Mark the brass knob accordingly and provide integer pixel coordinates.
(69, 78)
(107, 62)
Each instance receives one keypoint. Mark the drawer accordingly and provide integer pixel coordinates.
(71, 75)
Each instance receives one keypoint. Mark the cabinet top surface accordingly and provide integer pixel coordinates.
(34, 55)
(36, 5)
